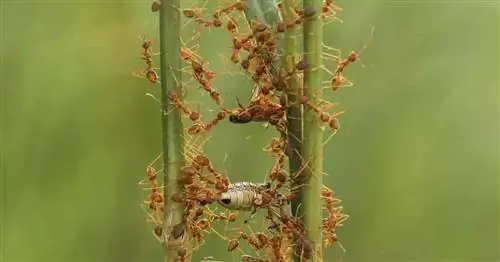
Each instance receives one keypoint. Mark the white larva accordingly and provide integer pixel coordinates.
(243, 196)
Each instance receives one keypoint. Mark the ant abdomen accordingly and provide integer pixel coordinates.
(241, 118)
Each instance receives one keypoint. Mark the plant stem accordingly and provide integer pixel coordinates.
(172, 128)
(294, 113)
(312, 150)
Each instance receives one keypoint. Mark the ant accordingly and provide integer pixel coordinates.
(147, 55)
(156, 5)
(240, 6)
(231, 25)
(221, 182)
(199, 71)
(327, 119)
(198, 127)
(338, 79)
(174, 98)
(241, 43)
(257, 112)
(330, 7)
(302, 15)
(334, 218)
(155, 198)
(261, 108)
(197, 15)
(201, 74)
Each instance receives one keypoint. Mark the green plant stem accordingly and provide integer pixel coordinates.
(312, 150)
(172, 128)
(294, 113)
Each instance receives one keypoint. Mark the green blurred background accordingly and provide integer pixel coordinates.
(415, 162)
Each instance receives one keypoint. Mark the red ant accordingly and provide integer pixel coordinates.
(257, 112)
(337, 78)
(149, 72)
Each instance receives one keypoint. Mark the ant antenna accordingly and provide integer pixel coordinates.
(367, 41)
(365, 46)
(239, 103)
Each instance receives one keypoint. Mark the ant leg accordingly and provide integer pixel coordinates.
(332, 49)
(139, 74)
(332, 18)
(326, 70)
(338, 84)
(326, 105)
(346, 83)
(252, 215)
(328, 56)
(190, 52)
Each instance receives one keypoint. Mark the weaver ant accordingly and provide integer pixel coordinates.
(174, 98)
(329, 7)
(147, 55)
(257, 112)
(201, 74)
(197, 16)
(337, 77)
(154, 205)
(156, 5)
(327, 119)
(302, 15)
(334, 218)
(240, 6)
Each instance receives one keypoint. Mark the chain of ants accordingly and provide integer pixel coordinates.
(201, 183)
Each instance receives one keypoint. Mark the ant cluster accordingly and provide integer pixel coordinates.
(200, 185)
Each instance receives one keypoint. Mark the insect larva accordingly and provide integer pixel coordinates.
(243, 196)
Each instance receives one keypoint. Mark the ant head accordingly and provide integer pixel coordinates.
(155, 6)
(245, 64)
(146, 44)
(352, 57)
(185, 53)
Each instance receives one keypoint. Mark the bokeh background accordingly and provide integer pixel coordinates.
(415, 161)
